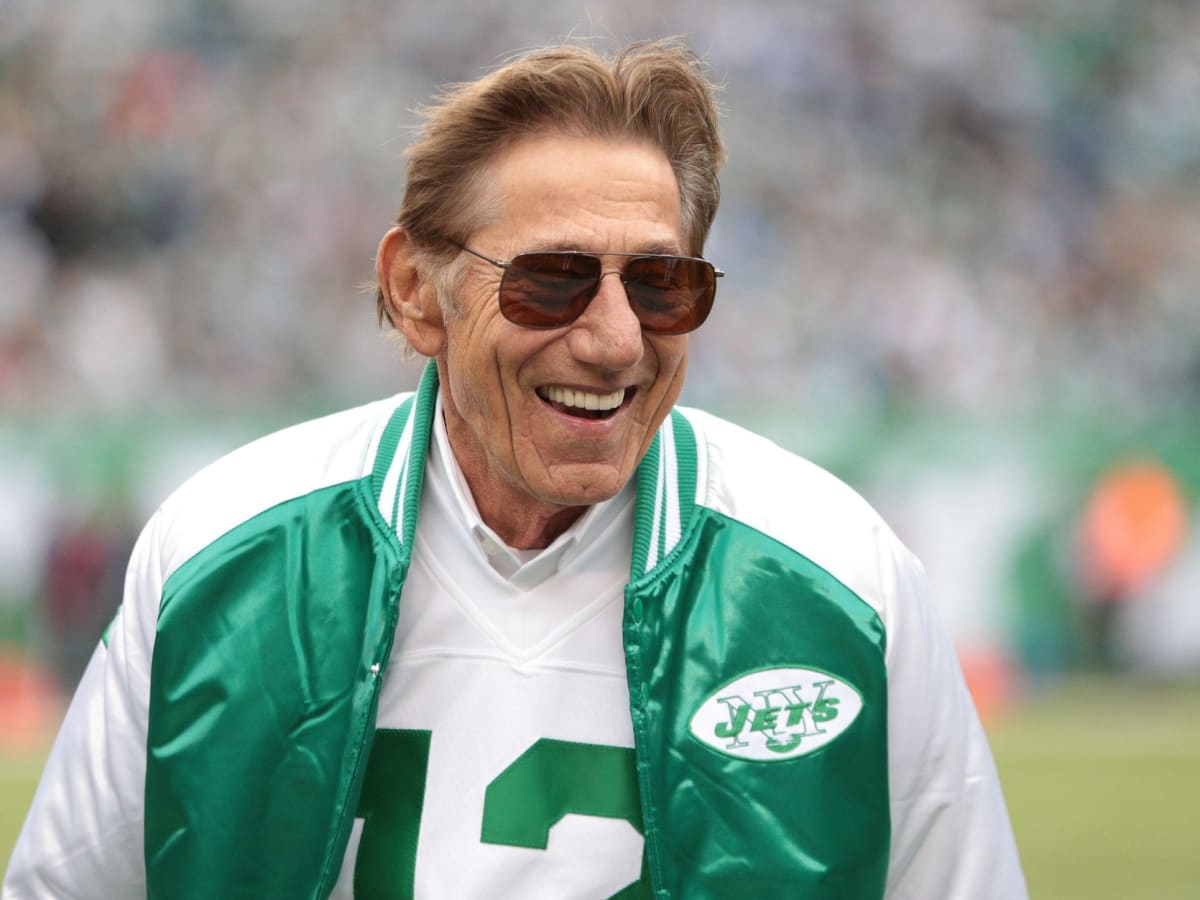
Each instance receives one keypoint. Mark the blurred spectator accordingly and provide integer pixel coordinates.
(82, 582)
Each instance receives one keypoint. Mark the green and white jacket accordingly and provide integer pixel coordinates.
(801, 726)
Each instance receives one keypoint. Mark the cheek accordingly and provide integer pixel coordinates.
(672, 356)
(486, 366)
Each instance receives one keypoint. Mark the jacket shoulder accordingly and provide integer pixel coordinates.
(750, 478)
(753, 480)
(271, 470)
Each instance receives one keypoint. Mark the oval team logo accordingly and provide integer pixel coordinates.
(776, 714)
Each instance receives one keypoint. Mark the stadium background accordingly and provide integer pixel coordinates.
(963, 245)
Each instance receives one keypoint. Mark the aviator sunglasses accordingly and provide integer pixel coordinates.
(550, 289)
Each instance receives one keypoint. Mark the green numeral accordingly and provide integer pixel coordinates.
(553, 778)
(547, 782)
(392, 794)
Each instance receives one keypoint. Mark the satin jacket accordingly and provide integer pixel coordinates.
(801, 725)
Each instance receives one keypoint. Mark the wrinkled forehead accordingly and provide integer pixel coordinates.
(558, 192)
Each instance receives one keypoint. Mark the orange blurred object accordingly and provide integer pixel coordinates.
(992, 679)
(1133, 525)
(30, 703)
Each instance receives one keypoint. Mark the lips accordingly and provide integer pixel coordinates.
(581, 403)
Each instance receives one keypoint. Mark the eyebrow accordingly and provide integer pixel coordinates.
(657, 249)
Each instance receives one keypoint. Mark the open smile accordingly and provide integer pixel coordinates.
(585, 404)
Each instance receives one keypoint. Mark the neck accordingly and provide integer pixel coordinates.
(526, 529)
(520, 519)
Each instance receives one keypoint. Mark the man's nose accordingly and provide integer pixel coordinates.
(608, 334)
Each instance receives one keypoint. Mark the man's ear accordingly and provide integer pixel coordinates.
(409, 296)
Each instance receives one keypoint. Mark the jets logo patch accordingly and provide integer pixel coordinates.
(776, 714)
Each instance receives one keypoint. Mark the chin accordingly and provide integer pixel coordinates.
(585, 491)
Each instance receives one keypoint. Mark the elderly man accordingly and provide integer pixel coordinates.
(531, 631)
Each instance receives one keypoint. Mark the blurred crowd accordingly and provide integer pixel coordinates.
(972, 203)
(972, 206)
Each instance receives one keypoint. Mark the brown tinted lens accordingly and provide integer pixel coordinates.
(548, 290)
(670, 294)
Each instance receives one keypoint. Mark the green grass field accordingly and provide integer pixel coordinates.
(1103, 785)
(1102, 780)
(18, 778)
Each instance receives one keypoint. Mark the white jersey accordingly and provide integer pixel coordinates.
(507, 665)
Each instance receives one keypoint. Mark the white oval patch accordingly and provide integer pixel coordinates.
(776, 714)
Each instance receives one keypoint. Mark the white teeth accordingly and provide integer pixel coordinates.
(583, 399)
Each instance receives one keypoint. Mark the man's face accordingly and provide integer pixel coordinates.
(513, 396)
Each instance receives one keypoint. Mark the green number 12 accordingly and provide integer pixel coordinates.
(522, 804)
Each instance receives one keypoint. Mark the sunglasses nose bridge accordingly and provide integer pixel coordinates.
(604, 273)
(620, 273)
(597, 286)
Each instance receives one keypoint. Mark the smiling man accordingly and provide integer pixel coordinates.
(531, 631)
(545, 422)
